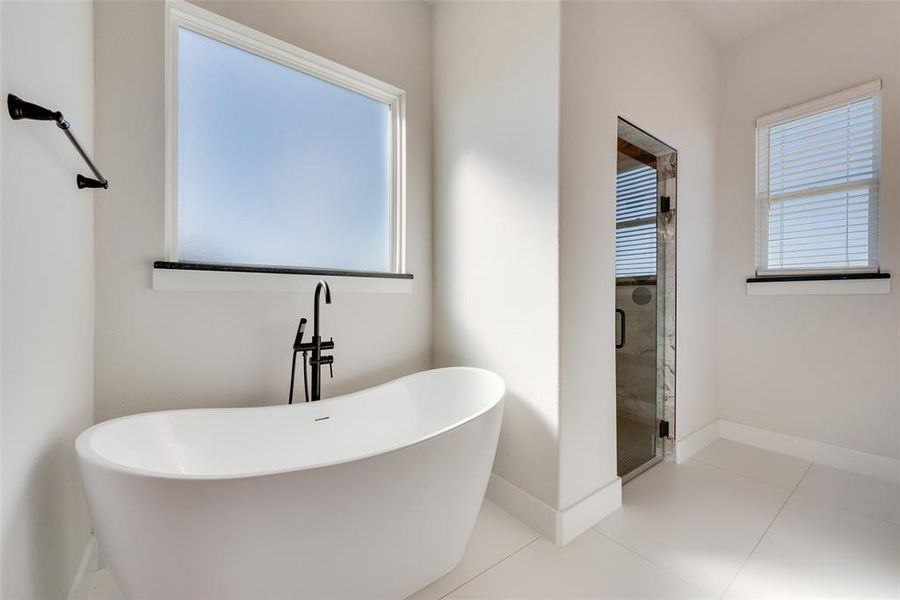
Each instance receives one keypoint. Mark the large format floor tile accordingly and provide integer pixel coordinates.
(755, 463)
(496, 536)
(104, 587)
(592, 566)
(696, 521)
(816, 550)
(874, 497)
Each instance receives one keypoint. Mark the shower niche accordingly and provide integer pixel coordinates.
(646, 177)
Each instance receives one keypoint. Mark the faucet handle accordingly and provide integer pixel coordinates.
(331, 369)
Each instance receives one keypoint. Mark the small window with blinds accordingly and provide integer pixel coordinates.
(817, 176)
(636, 222)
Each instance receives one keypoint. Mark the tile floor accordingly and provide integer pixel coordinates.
(733, 522)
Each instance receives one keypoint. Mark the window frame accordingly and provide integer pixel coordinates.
(180, 14)
(871, 89)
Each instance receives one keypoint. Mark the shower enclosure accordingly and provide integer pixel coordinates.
(645, 299)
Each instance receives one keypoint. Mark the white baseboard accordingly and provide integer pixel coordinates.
(559, 526)
(81, 585)
(695, 442)
(587, 512)
(532, 511)
(873, 465)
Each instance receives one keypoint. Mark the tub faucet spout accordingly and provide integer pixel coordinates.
(315, 346)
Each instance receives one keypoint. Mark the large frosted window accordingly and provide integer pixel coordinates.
(279, 167)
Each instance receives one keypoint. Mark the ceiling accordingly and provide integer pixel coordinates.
(730, 21)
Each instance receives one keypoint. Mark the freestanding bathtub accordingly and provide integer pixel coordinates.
(369, 495)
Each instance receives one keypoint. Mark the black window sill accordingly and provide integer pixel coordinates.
(822, 277)
(198, 266)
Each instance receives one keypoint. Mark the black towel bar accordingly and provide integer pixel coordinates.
(20, 109)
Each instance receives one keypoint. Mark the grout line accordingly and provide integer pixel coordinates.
(485, 570)
(855, 511)
(753, 479)
(831, 504)
(772, 522)
(797, 487)
(805, 473)
(690, 584)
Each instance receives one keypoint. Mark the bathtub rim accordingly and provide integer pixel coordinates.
(86, 453)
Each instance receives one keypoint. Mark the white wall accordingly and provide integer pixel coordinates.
(651, 64)
(159, 350)
(496, 89)
(48, 297)
(826, 367)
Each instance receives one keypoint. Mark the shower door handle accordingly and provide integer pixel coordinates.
(621, 343)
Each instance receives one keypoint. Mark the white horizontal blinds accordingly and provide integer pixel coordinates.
(636, 222)
(817, 190)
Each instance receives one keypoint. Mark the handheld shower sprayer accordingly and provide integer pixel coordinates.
(298, 342)
(299, 339)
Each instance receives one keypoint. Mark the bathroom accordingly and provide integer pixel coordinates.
(773, 393)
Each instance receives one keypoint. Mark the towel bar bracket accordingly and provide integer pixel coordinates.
(20, 109)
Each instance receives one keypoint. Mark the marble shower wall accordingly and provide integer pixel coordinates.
(666, 281)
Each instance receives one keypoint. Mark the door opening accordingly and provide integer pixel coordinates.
(646, 207)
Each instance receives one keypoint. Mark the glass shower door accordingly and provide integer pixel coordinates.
(644, 297)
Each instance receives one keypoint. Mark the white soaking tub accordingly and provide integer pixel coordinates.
(368, 495)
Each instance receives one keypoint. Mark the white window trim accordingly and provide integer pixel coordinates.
(176, 280)
(819, 104)
(826, 287)
(858, 92)
(204, 22)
